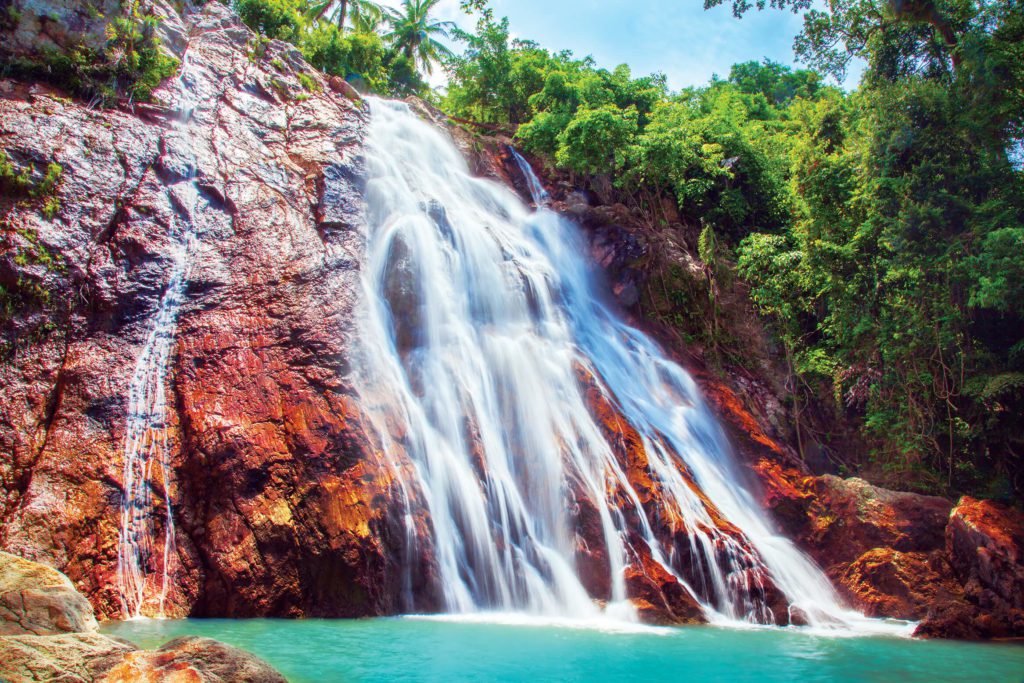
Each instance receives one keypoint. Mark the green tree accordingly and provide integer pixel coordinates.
(415, 34)
(279, 19)
(364, 14)
(593, 140)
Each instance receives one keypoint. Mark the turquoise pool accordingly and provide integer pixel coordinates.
(415, 649)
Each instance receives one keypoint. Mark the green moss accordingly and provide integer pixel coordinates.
(30, 292)
(308, 82)
(13, 183)
(20, 186)
(131, 64)
(258, 49)
(281, 88)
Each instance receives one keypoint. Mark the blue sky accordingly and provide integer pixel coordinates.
(677, 37)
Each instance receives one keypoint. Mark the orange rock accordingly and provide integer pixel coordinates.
(658, 596)
(985, 541)
(888, 583)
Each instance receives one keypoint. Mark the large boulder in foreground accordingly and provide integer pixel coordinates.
(68, 657)
(193, 659)
(42, 652)
(38, 600)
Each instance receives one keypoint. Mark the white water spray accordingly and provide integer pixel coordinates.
(481, 318)
(143, 567)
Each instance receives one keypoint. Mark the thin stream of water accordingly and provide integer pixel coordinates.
(144, 569)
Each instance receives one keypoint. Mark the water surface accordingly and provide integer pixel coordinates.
(413, 649)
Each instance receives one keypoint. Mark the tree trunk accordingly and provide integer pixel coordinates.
(342, 14)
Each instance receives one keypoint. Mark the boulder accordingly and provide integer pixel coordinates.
(38, 600)
(67, 658)
(344, 88)
(195, 660)
(888, 583)
(658, 596)
(985, 541)
(850, 517)
(985, 546)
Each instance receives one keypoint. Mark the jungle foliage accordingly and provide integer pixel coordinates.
(378, 49)
(881, 231)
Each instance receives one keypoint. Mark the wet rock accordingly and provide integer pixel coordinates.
(38, 600)
(402, 292)
(985, 541)
(193, 659)
(658, 596)
(889, 583)
(277, 510)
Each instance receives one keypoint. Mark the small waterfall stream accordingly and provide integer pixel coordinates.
(144, 563)
(537, 192)
(482, 322)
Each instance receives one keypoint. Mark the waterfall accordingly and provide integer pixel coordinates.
(485, 341)
(140, 562)
(537, 192)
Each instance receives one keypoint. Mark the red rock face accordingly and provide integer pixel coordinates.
(280, 506)
(985, 545)
(985, 541)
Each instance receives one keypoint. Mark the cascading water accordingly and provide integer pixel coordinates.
(483, 327)
(144, 569)
(537, 192)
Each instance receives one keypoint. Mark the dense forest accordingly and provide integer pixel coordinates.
(878, 231)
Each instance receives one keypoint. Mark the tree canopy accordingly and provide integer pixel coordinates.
(880, 231)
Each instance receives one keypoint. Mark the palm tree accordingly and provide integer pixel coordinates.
(414, 34)
(365, 14)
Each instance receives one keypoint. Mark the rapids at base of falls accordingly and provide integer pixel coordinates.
(559, 455)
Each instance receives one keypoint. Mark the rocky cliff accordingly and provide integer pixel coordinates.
(276, 505)
(280, 503)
